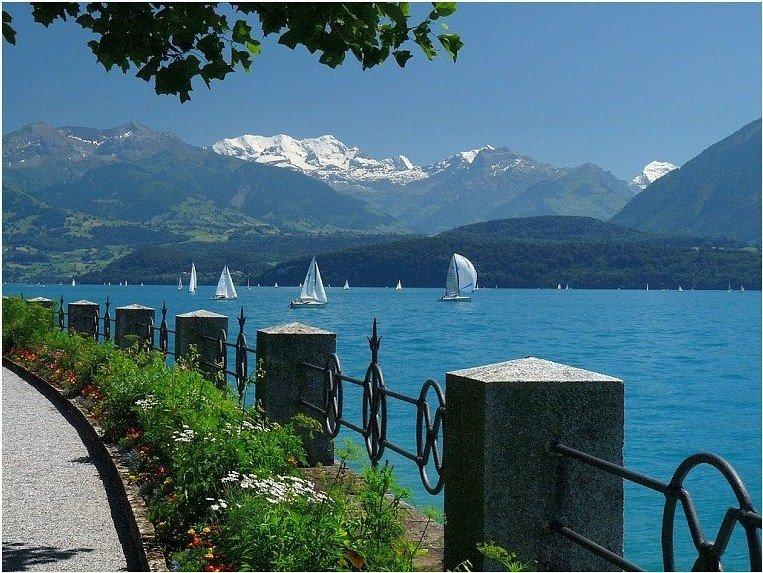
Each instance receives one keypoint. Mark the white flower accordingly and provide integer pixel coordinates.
(147, 403)
(185, 436)
(278, 489)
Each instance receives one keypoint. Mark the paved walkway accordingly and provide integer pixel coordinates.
(56, 516)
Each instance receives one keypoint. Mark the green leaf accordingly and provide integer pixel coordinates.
(86, 20)
(402, 56)
(242, 32)
(9, 34)
(452, 44)
(254, 47)
(216, 69)
(332, 59)
(444, 8)
(289, 39)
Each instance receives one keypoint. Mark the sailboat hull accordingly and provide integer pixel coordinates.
(456, 298)
(306, 304)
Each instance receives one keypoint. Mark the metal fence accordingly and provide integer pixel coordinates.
(164, 333)
(429, 425)
(240, 373)
(709, 552)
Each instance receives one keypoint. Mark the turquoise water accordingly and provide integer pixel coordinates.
(691, 362)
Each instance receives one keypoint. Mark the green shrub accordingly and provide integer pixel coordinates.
(204, 464)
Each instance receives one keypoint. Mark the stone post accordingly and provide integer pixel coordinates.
(502, 483)
(132, 321)
(83, 317)
(280, 350)
(42, 301)
(191, 329)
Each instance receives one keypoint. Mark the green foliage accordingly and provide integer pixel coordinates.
(24, 324)
(173, 43)
(507, 561)
(207, 468)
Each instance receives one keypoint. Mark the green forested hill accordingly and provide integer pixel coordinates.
(540, 252)
(716, 194)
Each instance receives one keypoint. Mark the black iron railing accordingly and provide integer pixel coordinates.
(429, 424)
(240, 374)
(709, 552)
(164, 334)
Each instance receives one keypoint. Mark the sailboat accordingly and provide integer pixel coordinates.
(399, 286)
(180, 283)
(567, 286)
(225, 289)
(74, 283)
(741, 288)
(247, 285)
(312, 293)
(346, 284)
(192, 280)
(680, 289)
(559, 286)
(647, 286)
(461, 280)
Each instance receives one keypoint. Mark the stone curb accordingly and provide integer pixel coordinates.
(147, 553)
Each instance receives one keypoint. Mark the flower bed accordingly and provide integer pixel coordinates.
(223, 485)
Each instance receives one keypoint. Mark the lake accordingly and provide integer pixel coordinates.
(691, 362)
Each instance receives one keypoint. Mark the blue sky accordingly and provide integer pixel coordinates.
(613, 84)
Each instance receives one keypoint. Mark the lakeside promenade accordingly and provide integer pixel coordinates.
(56, 513)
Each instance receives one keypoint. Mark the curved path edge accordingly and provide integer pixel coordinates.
(138, 538)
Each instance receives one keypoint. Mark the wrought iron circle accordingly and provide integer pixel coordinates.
(333, 395)
(428, 431)
(374, 413)
(709, 553)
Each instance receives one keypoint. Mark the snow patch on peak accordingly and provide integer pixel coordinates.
(652, 172)
(324, 157)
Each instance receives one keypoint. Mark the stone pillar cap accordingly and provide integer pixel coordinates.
(201, 314)
(40, 299)
(84, 302)
(531, 369)
(135, 307)
(293, 328)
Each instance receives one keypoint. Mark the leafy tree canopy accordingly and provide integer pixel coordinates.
(172, 43)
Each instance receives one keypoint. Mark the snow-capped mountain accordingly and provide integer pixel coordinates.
(469, 186)
(652, 172)
(323, 157)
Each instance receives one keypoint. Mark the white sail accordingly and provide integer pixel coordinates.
(74, 283)
(312, 286)
(346, 284)
(462, 276)
(399, 286)
(192, 281)
(180, 283)
(225, 288)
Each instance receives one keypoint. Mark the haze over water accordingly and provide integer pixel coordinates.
(690, 361)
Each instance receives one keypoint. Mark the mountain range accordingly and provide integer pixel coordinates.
(475, 185)
(78, 200)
